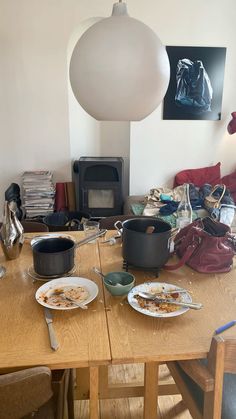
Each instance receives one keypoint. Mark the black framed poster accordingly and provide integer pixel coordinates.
(196, 83)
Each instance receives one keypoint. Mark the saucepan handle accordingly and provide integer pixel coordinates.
(90, 238)
(119, 229)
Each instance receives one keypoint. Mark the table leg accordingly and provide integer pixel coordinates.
(93, 393)
(150, 390)
(70, 395)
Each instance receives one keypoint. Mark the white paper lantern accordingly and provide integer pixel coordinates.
(119, 69)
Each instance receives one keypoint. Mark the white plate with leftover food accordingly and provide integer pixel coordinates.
(53, 294)
(156, 308)
(50, 236)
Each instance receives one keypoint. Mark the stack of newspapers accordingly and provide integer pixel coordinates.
(38, 193)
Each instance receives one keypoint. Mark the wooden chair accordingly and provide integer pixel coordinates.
(35, 391)
(33, 226)
(208, 387)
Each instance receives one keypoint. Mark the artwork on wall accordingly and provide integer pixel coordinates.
(196, 83)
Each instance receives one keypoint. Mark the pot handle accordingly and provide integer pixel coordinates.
(173, 233)
(90, 238)
(119, 229)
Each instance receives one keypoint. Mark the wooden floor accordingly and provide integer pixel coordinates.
(132, 408)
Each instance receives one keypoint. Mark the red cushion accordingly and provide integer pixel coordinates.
(200, 176)
(230, 182)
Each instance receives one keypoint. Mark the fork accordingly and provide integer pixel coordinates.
(81, 305)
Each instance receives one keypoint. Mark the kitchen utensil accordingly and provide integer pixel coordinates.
(112, 240)
(117, 284)
(148, 296)
(139, 248)
(177, 290)
(37, 238)
(155, 288)
(52, 336)
(2, 271)
(11, 232)
(81, 305)
(150, 229)
(66, 220)
(55, 256)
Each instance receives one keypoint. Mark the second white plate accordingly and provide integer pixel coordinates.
(158, 287)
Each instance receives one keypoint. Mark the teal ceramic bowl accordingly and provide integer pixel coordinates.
(119, 283)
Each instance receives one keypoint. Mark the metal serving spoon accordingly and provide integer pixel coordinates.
(118, 284)
(147, 296)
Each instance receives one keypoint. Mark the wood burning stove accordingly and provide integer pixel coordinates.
(99, 185)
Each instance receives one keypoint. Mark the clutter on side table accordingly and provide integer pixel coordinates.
(38, 193)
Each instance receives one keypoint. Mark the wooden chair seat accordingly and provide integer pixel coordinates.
(33, 226)
(108, 222)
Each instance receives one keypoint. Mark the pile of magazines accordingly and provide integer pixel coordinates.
(38, 193)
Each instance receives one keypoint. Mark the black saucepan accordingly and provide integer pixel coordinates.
(55, 255)
(142, 249)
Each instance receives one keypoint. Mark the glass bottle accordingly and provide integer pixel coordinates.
(184, 210)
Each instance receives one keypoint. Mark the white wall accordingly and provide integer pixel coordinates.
(164, 147)
(35, 129)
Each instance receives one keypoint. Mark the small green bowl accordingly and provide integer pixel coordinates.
(125, 279)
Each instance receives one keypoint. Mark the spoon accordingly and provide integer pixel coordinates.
(118, 284)
(2, 271)
(150, 229)
(148, 296)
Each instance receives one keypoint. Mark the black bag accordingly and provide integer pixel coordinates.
(194, 90)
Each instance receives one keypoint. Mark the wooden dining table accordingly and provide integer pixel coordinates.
(138, 338)
(110, 331)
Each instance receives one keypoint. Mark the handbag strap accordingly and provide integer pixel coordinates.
(215, 189)
(187, 255)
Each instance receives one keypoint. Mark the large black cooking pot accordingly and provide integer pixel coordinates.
(55, 255)
(143, 249)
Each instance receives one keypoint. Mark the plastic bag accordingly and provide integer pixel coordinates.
(194, 91)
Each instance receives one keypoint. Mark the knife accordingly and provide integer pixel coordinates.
(52, 336)
(152, 297)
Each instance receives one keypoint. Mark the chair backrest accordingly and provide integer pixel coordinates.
(108, 222)
(215, 394)
(47, 394)
(25, 391)
(33, 226)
